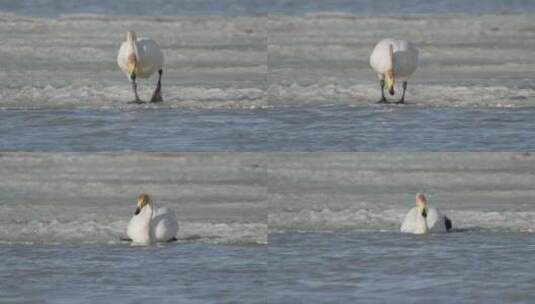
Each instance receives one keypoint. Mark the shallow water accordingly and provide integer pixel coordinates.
(252, 7)
(372, 267)
(400, 129)
(160, 130)
(335, 128)
(185, 273)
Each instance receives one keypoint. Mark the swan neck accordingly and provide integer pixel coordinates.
(133, 58)
(133, 49)
(421, 225)
(146, 215)
(391, 56)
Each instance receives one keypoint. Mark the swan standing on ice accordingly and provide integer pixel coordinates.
(149, 225)
(394, 59)
(140, 58)
(422, 219)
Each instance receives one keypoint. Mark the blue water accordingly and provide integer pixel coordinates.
(144, 130)
(401, 129)
(53, 8)
(181, 273)
(339, 128)
(371, 267)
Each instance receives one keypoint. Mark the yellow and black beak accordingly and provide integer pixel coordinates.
(424, 212)
(390, 86)
(138, 210)
(422, 209)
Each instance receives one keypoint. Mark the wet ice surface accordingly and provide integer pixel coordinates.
(185, 273)
(261, 61)
(314, 128)
(372, 267)
(210, 62)
(464, 60)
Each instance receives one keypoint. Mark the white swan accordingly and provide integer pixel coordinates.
(422, 219)
(140, 58)
(394, 59)
(148, 226)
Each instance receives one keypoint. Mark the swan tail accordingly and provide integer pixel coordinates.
(448, 223)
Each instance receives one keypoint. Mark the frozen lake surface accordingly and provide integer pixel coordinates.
(60, 198)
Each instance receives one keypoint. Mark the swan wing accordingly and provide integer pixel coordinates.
(436, 220)
(122, 58)
(135, 228)
(405, 59)
(150, 57)
(380, 57)
(164, 224)
(409, 224)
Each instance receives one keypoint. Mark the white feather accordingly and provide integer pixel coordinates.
(149, 227)
(414, 221)
(148, 54)
(405, 59)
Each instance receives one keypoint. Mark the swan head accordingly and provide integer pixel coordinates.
(142, 200)
(421, 203)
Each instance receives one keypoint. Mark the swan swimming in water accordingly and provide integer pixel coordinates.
(149, 225)
(422, 219)
(140, 58)
(394, 59)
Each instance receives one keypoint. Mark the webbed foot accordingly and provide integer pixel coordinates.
(138, 101)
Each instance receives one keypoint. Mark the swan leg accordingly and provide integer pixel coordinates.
(157, 95)
(134, 87)
(402, 100)
(383, 98)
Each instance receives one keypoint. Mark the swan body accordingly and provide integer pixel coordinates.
(164, 225)
(423, 219)
(140, 58)
(394, 59)
(150, 225)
